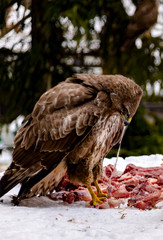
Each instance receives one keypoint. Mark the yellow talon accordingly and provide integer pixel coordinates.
(95, 201)
(100, 194)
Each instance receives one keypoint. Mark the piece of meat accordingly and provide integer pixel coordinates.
(160, 180)
(146, 201)
(154, 172)
(112, 203)
(120, 192)
(79, 194)
(141, 187)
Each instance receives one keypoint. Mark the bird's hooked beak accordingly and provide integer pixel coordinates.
(126, 121)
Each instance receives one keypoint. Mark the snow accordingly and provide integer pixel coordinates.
(5, 156)
(42, 218)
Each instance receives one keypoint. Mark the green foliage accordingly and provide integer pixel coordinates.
(142, 137)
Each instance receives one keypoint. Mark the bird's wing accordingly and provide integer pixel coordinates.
(61, 119)
(62, 114)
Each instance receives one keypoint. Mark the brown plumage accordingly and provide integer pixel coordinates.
(71, 129)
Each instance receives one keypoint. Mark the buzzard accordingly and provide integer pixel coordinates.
(70, 130)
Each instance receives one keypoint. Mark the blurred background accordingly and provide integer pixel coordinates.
(44, 42)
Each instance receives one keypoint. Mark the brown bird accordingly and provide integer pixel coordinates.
(71, 129)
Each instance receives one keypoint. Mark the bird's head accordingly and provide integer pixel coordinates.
(125, 98)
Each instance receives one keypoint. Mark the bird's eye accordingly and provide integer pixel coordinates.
(125, 112)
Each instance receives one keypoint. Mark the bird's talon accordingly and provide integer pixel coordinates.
(102, 198)
(102, 195)
(95, 201)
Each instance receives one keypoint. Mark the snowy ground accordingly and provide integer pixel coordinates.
(41, 218)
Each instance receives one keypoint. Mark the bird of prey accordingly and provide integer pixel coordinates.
(70, 130)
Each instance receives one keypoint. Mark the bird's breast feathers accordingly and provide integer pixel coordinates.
(103, 134)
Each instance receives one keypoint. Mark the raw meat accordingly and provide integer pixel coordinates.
(139, 187)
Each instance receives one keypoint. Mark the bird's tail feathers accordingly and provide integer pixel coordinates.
(12, 176)
(50, 182)
(7, 182)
